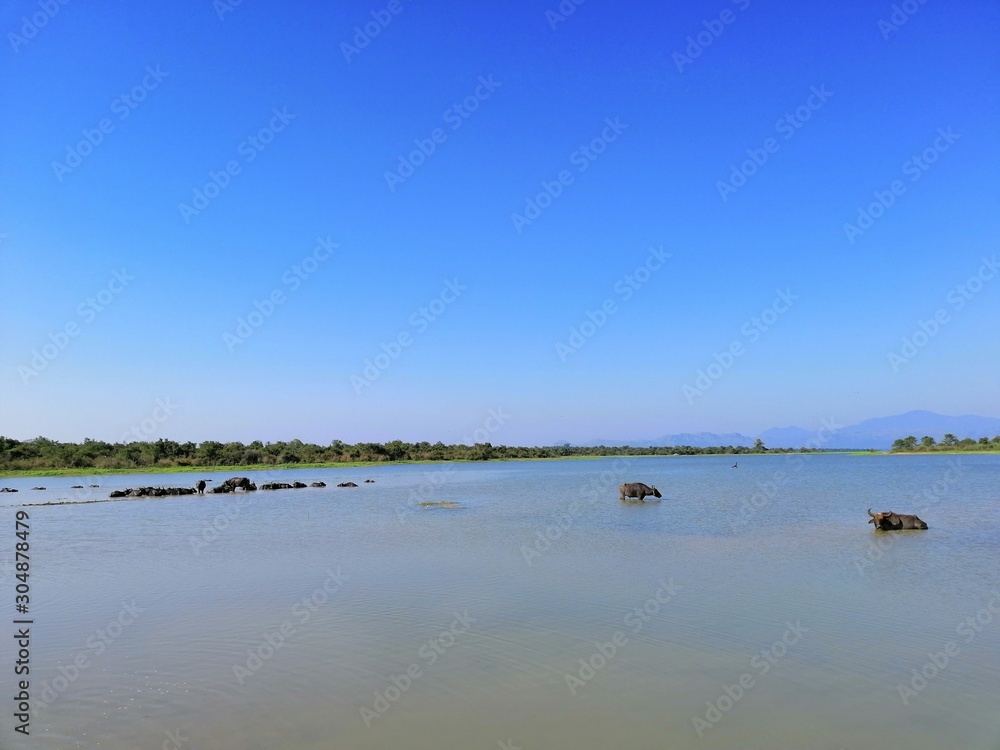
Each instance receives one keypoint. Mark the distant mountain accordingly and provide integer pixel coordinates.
(878, 433)
(704, 439)
(697, 440)
(787, 437)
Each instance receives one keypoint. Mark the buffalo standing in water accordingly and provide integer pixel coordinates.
(201, 486)
(890, 521)
(637, 490)
(240, 483)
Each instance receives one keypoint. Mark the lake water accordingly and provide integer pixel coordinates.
(750, 608)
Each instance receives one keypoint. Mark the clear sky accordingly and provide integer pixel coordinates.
(377, 220)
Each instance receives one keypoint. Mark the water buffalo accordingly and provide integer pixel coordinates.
(637, 490)
(890, 521)
(201, 486)
(347, 484)
(151, 491)
(276, 486)
(241, 483)
(318, 484)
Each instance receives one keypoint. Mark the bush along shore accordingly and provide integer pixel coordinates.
(948, 444)
(43, 456)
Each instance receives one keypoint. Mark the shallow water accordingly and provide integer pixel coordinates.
(751, 608)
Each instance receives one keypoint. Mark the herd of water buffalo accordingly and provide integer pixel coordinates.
(230, 485)
(884, 521)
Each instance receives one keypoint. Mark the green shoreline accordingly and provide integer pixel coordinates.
(94, 471)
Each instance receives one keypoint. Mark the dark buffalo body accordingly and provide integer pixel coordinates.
(637, 490)
(889, 521)
(242, 483)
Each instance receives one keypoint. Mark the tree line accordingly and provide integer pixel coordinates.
(42, 453)
(949, 442)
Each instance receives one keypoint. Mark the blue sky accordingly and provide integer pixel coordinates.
(380, 220)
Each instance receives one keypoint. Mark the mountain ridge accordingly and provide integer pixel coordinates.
(875, 432)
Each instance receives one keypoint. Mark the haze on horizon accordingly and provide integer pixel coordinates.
(392, 220)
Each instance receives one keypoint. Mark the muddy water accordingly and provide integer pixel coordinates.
(751, 608)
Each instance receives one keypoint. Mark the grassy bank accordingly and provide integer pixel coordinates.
(955, 452)
(238, 468)
(93, 471)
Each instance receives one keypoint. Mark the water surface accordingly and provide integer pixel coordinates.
(751, 608)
